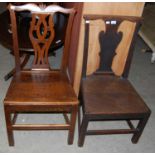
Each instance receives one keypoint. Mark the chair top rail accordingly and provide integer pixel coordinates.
(42, 9)
(112, 17)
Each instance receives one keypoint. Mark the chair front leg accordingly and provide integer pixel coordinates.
(9, 127)
(140, 127)
(72, 124)
(83, 130)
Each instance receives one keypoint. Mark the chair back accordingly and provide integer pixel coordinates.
(41, 33)
(109, 39)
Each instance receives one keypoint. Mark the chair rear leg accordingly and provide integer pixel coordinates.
(72, 125)
(79, 120)
(83, 130)
(9, 127)
(24, 61)
(140, 127)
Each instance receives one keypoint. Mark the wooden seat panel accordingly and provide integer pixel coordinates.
(40, 88)
(111, 95)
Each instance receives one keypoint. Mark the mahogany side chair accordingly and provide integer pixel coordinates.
(41, 89)
(106, 94)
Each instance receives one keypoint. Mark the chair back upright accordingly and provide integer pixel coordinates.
(109, 40)
(41, 33)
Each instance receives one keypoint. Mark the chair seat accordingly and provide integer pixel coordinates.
(51, 88)
(111, 95)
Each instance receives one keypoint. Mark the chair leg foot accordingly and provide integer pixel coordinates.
(140, 127)
(82, 133)
(72, 125)
(11, 140)
(9, 128)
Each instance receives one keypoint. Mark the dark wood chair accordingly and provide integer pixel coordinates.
(41, 89)
(105, 95)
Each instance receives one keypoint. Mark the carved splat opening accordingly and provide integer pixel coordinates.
(41, 35)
